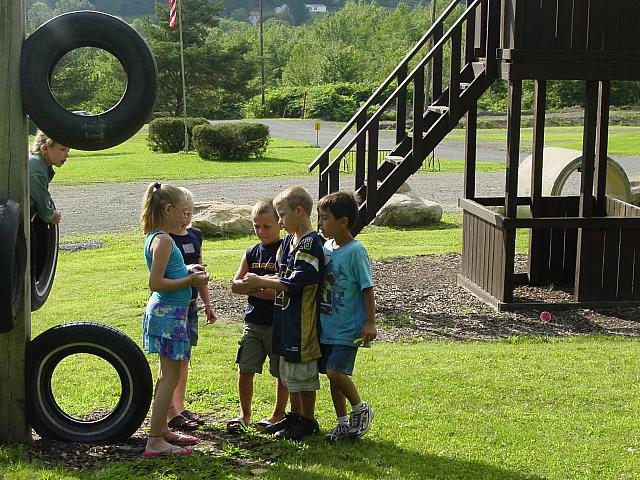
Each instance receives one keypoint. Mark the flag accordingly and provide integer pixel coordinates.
(172, 13)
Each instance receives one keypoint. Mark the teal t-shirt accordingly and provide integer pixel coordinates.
(342, 309)
(176, 269)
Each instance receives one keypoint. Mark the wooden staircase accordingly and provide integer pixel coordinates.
(472, 41)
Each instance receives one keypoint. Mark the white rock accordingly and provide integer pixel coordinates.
(408, 210)
(218, 219)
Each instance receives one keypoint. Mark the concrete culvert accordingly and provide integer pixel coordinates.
(558, 166)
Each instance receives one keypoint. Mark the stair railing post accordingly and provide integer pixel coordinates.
(418, 117)
(401, 106)
(454, 75)
(493, 37)
(323, 180)
(470, 38)
(372, 171)
(334, 178)
(436, 86)
(361, 147)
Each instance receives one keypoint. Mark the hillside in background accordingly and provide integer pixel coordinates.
(134, 8)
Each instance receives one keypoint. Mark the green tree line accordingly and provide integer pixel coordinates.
(357, 46)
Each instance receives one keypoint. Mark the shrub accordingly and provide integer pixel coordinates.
(231, 141)
(166, 135)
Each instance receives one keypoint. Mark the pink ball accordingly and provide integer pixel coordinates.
(545, 316)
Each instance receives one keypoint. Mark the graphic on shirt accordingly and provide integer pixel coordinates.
(282, 300)
(333, 290)
(188, 248)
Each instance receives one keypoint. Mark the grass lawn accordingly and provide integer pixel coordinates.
(623, 141)
(519, 409)
(133, 160)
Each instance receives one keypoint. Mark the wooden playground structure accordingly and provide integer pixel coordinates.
(588, 242)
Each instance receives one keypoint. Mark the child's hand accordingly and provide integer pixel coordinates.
(369, 332)
(251, 280)
(196, 267)
(199, 278)
(210, 314)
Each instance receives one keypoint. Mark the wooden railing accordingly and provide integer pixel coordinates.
(478, 26)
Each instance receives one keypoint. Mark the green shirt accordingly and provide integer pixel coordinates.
(40, 174)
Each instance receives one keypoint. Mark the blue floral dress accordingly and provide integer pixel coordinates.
(164, 325)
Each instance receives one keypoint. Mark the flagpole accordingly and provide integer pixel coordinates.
(184, 88)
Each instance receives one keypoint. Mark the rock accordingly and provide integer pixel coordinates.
(408, 210)
(218, 219)
(404, 188)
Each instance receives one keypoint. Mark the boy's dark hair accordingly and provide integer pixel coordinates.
(340, 204)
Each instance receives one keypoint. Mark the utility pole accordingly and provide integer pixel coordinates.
(264, 103)
(14, 185)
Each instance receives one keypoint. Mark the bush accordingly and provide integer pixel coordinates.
(231, 141)
(166, 135)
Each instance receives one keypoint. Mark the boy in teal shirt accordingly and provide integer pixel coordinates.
(347, 312)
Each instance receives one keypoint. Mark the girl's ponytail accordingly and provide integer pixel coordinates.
(155, 198)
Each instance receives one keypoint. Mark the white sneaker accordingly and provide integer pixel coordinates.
(360, 421)
(339, 432)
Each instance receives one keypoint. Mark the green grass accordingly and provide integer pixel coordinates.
(624, 143)
(517, 409)
(132, 160)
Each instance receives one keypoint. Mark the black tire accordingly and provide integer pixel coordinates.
(44, 258)
(43, 49)
(13, 252)
(46, 351)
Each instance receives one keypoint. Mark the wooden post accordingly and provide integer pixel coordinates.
(13, 184)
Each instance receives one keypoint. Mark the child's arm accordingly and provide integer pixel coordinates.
(211, 317)
(160, 249)
(253, 282)
(39, 189)
(236, 283)
(369, 331)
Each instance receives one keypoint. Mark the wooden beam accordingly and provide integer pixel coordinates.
(13, 184)
(538, 141)
(588, 149)
(514, 115)
(602, 142)
(470, 152)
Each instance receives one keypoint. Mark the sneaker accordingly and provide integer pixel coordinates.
(289, 420)
(301, 429)
(339, 432)
(360, 421)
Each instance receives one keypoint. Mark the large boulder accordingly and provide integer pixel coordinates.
(218, 219)
(408, 210)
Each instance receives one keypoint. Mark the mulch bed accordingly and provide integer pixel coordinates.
(416, 297)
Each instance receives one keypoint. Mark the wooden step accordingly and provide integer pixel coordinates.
(394, 159)
(441, 109)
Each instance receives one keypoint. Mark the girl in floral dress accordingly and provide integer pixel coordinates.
(164, 326)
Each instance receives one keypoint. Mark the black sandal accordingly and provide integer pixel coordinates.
(179, 422)
(189, 415)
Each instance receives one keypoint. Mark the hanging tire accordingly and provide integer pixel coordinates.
(44, 258)
(42, 50)
(48, 349)
(13, 252)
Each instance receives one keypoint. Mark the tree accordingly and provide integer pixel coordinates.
(215, 71)
(298, 11)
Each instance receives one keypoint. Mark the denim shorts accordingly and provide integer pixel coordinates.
(340, 358)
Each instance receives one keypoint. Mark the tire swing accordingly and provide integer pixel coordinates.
(13, 252)
(44, 257)
(42, 50)
(48, 349)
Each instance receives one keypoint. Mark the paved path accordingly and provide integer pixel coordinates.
(115, 207)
